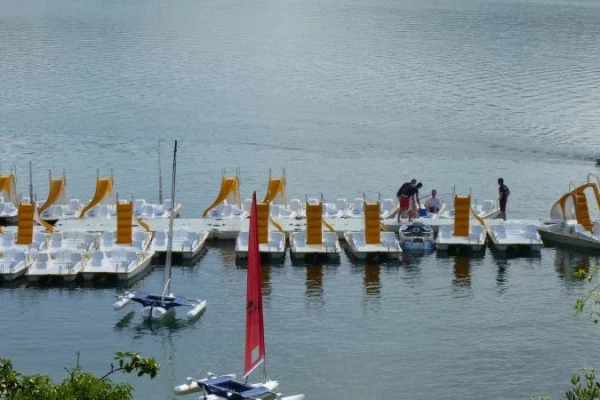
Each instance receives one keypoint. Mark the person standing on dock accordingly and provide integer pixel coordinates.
(503, 193)
(404, 200)
(412, 192)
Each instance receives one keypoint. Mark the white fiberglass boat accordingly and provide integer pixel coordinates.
(474, 241)
(148, 210)
(186, 243)
(273, 248)
(63, 263)
(505, 235)
(226, 387)
(329, 247)
(8, 199)
(488, 209)
(464, 232)
(356, 209)
(123, 262)
(416, 236)
(575, 218)
(371, 241)
(14, 263)
(386, 246)
(318, 240)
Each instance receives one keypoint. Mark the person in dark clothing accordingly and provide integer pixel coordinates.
(503, 193)
(403, 200)
(412, 192)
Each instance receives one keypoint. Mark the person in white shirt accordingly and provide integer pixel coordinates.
(434, 203)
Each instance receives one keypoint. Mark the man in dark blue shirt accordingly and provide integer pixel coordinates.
(503, 193)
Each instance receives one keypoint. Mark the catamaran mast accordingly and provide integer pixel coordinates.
(31, 183)
(167, 290)
(160, 189)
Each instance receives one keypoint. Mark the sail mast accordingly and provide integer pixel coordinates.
(167, 289)
(160, 188)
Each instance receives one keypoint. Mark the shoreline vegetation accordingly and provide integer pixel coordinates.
(79, 384)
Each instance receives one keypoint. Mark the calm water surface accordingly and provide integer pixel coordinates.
(349, 97)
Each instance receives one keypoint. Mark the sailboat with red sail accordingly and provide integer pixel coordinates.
(226, 387)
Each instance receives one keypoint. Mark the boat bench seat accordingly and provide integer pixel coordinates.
(219, 380)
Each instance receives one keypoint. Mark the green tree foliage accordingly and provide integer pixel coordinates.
(590, 300)
(79, 385)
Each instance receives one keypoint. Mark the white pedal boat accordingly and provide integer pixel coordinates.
(82, 241)
(416, 236)
(123, 262)
(186, 243)
(148, 210)
(274, 249)
(505, 235)
(357, 245)
(9, 212)
(14, 263)
(475, 241)
(8, 240)
(329, 248)
(141, 240)
(55, 212)
(227, 211)
(63, 263)
(356, 209)
(488, 209)
(572, 234)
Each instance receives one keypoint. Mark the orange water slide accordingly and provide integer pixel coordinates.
(57, 193)
(8, 185)
(104, 189)
(276, 187)
(230, 191)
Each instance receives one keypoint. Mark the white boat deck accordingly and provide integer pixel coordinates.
(274, 249)
(228, 229)
(474, 242)
(66, 264)
(14, 262)
(330, 247)
(514, 234)
(124, 262)
(389, 245)
(186, 243)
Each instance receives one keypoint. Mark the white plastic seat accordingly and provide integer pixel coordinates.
(97, 258)
(74, 205)
(108, 239)
(160, 238)
(138, 204)
(167, 204)
(147, 211)
(246, 205)
(341, 204)
(295, 205)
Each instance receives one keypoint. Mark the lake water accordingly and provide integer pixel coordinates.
(351, 98)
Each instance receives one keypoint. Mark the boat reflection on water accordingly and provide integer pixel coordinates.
(462, 276)
(568, 262)
(266, 280)
(314, 285)
(372, 283)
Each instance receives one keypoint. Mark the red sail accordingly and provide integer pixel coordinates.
(255, 334)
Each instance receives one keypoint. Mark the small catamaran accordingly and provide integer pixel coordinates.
(226, 387)
(157, 307)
